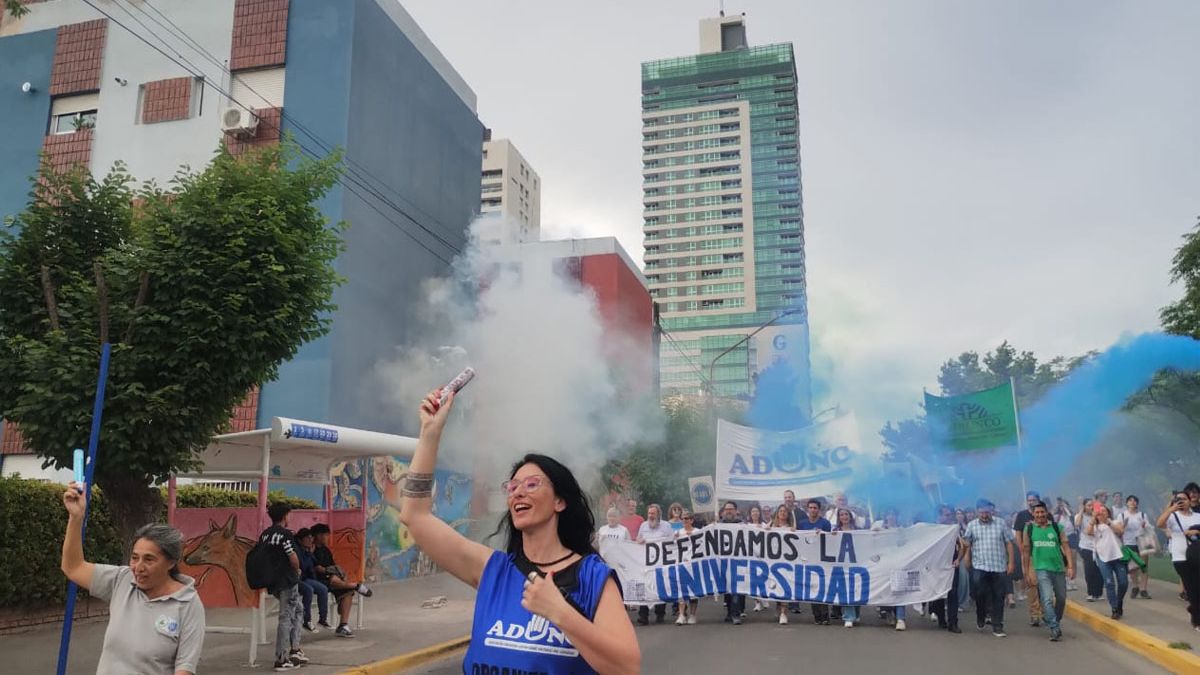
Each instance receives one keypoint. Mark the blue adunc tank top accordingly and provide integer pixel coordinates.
(508, 639)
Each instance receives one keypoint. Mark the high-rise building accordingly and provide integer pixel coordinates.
(724, 229)
(510, 195)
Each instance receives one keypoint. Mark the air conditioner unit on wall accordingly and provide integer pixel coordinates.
(239, 121)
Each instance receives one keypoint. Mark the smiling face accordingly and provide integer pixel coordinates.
(151, 569)
(1040, 515)
(845, 519)
(755, 514)
(781, 518)
(1132, 504)
(531, 498)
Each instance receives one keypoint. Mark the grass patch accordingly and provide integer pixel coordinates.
(1180, 645)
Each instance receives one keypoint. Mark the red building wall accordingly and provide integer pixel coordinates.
(627, 312)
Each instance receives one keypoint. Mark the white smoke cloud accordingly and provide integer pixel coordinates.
(536, 342)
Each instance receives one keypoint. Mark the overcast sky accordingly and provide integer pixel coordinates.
(973, 171)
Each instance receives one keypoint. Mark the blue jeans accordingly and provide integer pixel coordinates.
(1052, 587)
(1116, 581)
(850, 613)
(308, 588)
(964, 586)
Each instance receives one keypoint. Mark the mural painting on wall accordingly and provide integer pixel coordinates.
(216, 542)
(348, 479)
(390, 550)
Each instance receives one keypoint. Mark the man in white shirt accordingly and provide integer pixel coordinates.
(654, 529)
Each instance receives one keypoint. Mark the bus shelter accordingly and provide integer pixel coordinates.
(217, 539)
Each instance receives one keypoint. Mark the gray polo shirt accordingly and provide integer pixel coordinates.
(163, 635)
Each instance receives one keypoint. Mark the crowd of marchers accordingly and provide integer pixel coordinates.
(1030, 556)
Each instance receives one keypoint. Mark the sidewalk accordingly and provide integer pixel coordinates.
(1163, 617)
(394, 623)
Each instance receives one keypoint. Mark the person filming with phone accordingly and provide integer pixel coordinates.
(1183, 526)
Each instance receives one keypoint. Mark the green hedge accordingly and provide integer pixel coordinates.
(33, 523)
(203, 497)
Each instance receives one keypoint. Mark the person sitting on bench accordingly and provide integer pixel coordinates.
(334, 578)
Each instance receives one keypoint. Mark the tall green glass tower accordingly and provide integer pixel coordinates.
(724, 224)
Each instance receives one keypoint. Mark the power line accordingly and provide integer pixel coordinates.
(675, 344)
(197, 72)
(353, 167)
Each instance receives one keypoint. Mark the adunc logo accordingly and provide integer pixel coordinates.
(801, 464)
(701, 493)
(538, 635)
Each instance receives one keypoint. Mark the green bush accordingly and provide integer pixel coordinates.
(33, 523)
(204, 497)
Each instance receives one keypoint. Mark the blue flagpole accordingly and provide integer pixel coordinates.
(64, 644)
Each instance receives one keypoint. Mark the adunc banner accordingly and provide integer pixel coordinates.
(976, 421)
(886, 568)
(758, 465)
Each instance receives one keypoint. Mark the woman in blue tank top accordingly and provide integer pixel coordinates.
(548, 603)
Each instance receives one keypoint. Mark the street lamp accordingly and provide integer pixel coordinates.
(712, 366)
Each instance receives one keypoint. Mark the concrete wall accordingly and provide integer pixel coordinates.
(412, 129)
(25, 58)
(355, 79)
(149, 151)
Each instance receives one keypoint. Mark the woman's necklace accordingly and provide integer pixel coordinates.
(552, 562)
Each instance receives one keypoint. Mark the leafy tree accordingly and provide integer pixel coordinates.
(16, 8)
(658, 472)
(202, 289)
(1172, 390)
(968, 372)
(1183, 316)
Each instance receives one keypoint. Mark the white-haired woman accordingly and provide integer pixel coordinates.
(155, 618)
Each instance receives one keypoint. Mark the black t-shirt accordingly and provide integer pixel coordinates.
(282, 543)
(323, 557)
(1023, 519)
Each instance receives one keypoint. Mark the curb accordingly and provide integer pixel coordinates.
(411, 659)
(1179, 661)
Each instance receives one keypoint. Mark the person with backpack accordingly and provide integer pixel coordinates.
(273, 565)
(1047, 561)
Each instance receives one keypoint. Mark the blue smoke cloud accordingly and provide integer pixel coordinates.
(1057, 431)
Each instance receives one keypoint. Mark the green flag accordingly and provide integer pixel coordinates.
(976, 421)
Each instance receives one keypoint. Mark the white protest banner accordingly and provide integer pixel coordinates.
(758, 465)
(703, 495)
(885, 568)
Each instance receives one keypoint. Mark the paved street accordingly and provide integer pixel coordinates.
(761, 646)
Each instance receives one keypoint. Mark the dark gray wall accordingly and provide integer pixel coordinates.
(316, 95)
(355, 79)
(23, 58)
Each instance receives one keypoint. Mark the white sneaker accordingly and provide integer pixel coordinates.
(900, 624)
(691, 620)
(848, 624)
(758, 606)
(783, 619)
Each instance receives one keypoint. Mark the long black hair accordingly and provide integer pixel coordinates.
(575, 523)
